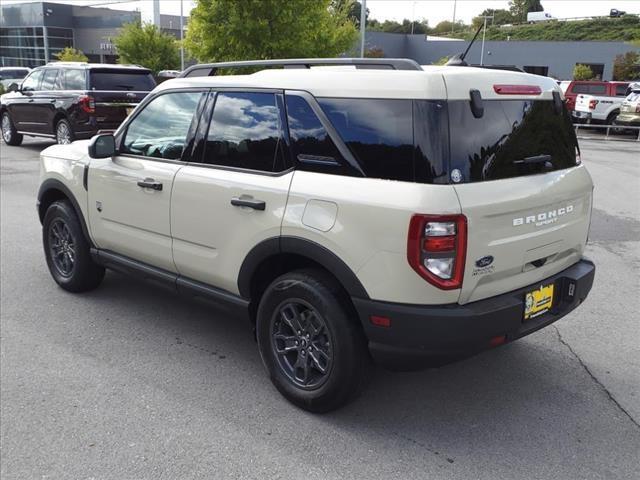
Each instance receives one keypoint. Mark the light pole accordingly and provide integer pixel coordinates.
(181, 38)
(453, 24)
(363, 21)
(484, 32)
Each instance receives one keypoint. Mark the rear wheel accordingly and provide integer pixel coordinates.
(9, 133)
(67, 250)
(64, 134)
(311, 346)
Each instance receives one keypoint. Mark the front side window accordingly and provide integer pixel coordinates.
(245, 132)
(160, 129)
(32, 82)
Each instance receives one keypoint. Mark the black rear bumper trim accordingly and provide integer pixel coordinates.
(430, 332)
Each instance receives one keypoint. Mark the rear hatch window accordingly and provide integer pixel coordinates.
(122, 80)
(433, 141)
(513, 138)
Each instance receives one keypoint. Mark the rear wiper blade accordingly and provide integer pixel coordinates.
(545, 159)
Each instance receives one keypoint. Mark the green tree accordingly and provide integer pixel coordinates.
(147, 45)
(520, 8)
(500, 17)
(70, 54)
(225, 30)
(352, 8)
(391, 26)
(627, 66)
(582, 72)
(447, 27)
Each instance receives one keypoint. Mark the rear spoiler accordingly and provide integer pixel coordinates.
(211, 69)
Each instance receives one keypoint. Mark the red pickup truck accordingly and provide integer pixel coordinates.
(591, 87)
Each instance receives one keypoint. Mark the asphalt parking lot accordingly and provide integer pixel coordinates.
(129, 382)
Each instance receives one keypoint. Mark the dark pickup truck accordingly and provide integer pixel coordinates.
(72, 100)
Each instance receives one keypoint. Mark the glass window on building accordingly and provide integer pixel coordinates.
(29, 46)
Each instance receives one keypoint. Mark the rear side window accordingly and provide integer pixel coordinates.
(74, 79)
(580, 88)
(379, 133)
(402, 140)
(496, 145)
(160, 129)
(49, 79)
(245, 132)
(597, 89)
(312, 146)
(118, 80)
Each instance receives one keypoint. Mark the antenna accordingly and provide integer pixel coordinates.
(458, 60)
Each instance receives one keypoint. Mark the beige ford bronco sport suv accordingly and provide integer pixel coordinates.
(355, 210)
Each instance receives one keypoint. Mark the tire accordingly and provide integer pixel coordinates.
(310, 308)
(9, 133)
(67, 250)
(64, 133)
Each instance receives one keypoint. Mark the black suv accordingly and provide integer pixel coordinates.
(72, 100)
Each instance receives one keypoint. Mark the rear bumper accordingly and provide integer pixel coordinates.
(420, 334)
(581, 116)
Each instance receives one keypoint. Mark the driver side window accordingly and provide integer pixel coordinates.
(160, 129)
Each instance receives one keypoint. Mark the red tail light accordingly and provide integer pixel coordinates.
(592, 104)
(638, 108)
(87, 104)
(436, 248)
(517, 89)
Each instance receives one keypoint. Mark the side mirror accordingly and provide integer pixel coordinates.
(102, 146)
(14, 87)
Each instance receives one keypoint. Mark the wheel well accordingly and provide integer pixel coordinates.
(48, 197)
(274, 266)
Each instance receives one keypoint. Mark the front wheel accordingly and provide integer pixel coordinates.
(312, 347)
(9, 133)
(67, 250)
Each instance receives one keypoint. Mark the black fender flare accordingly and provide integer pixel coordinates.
(303, 248)
(54, 184)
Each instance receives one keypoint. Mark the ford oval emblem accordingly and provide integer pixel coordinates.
(484, 261)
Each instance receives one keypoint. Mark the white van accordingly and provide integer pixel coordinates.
(535, 17)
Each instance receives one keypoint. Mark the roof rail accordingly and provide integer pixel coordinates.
(210, 69)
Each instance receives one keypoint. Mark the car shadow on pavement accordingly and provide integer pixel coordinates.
(526, 398)
(37, 145)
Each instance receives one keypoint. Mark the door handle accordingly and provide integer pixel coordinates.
(248, 202)
(150, 183)
(31, 100)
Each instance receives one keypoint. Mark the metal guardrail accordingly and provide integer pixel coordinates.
(578, 126)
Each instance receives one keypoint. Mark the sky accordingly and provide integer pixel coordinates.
(432, 10)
